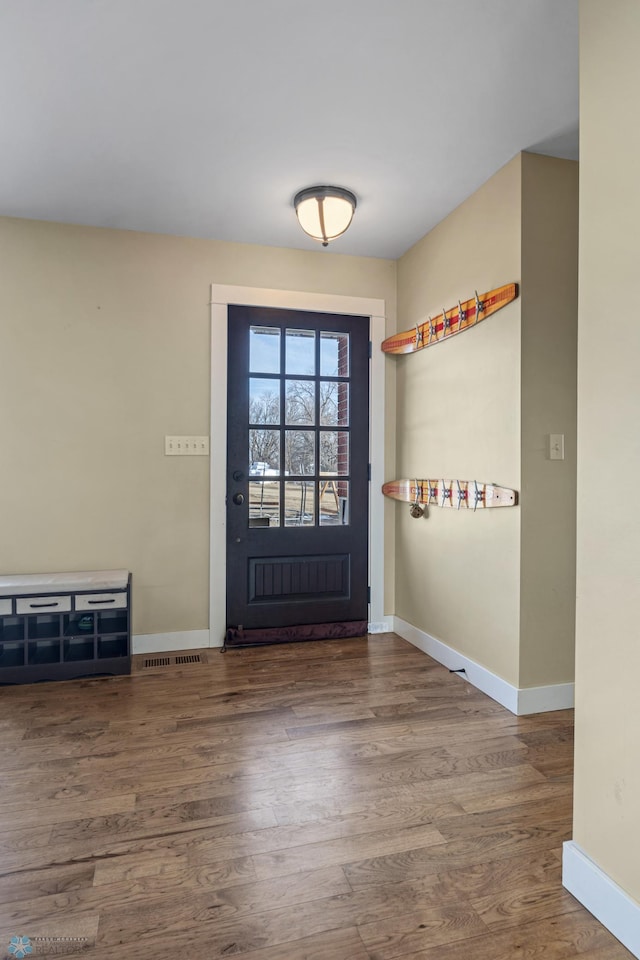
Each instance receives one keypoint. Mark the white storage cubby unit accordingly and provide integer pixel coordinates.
(61, 626)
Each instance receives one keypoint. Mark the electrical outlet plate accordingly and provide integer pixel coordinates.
(186, 446)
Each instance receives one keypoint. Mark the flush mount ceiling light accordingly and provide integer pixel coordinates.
(324, 212)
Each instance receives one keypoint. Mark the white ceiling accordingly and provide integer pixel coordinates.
(204, 117)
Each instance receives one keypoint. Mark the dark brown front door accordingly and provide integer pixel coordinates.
(297, 460)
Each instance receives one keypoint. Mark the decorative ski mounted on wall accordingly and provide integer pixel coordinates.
(457, 494)
(451, 322)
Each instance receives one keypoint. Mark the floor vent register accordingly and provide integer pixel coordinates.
(176, 661)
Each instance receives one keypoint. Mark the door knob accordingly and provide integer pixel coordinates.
(238, 499)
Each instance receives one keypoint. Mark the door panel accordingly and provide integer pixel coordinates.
(297, 461)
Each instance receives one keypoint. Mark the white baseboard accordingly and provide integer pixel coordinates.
(608, 902)
(524, 700)
(555, 696)
(164, 642)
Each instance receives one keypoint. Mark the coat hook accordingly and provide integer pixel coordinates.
(417, 510)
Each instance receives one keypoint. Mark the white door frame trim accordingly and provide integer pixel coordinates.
(222, 296)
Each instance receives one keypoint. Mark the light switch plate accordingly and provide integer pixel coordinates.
(556, 446)
(186, 446)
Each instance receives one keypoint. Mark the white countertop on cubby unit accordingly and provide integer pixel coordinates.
(26, 583)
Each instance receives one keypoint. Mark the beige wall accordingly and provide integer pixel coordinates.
(548, 405)
(607, 771)
(457, 574)
(104, 349)
(498, 586)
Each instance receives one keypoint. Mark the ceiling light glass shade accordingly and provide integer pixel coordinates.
(325, 212)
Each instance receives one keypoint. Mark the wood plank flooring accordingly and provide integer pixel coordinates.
(340, 800)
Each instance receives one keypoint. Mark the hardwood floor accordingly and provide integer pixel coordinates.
(340, 800)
